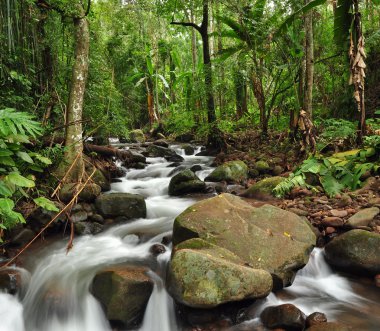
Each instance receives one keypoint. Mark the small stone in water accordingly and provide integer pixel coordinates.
(377, 280)
(157, 249)
(315, 318)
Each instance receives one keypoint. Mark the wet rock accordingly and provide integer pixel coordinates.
(356, 251)
(10, 280)
(123, 293)
(138, 165)
(203, 275)
(137, 136)
(157, 249)
(263, 188)
(121, 204)
(161, 142)
(235, 189)
(23, 237)
(363, 217)
(315, 319)
(100, 179)
(266, 238)
(287, 317)
(262, 167)
(86, 228)
(177, 170)
(116, 180)
(118, 172)
(167, 153)
(329, 326)
(88, 194)
(232, 172)
(189, 150)
(196, 168)
(184, 183)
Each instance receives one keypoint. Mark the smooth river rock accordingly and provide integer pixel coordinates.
(206, 277)
(363, 217)
(232, 172)
(124, 293)
(121, 204)
(267, 238)
(186, 182)
(356, 251)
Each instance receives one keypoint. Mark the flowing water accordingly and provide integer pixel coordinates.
(56, 296)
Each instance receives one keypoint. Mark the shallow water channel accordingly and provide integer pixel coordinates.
(56, 297)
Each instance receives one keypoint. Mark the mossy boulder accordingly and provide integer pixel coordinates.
(267, 238)
(90, 192)
(189, 150)
(100, 179)
(263, 188)
(121, 204)
(137, 136)
(356, 251)
(230, 172)
(186, 182)
(262, 167)
(203, 275)
(124, 293)
(363, 217)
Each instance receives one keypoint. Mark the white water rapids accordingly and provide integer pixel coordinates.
(57, 296)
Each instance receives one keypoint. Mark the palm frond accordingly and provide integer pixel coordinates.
(14, 123)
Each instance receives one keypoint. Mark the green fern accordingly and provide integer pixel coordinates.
(13, 123)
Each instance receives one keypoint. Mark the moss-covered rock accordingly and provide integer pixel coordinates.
(263, 188)
(205, 279)
(100, 179)
(355, 251)
(137, 136)
(230, 172)
(363, 217)
(88, 194)
(186, 182)
(262, 167)
(124, 294)
(189, 150)
(266, 238)
(121, 204)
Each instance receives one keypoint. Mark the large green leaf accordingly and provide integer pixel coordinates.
(45, 204)
(290, 19)
(19, 180)
(25, 157)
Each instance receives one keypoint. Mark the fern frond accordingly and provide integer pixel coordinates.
(14, 123)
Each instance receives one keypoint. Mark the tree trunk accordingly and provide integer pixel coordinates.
(73, 141)
(309, 79)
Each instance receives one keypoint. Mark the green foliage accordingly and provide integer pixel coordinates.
(336, 131)
(17, 163)
(335, 174)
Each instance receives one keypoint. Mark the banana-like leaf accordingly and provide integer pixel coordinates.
(290, 19)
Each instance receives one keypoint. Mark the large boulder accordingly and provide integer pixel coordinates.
(267, 238)
(355, 251)
(124, 293)
(121, 204)
(167, 153)
(137, 136)
(230, 172)
(186, 182)
(263, 188)
(204, 275)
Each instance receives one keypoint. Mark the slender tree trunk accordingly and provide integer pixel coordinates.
(74, 141)
(309, 79)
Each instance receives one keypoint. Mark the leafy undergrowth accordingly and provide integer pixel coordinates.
(334, 174)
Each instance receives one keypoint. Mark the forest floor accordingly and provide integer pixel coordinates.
(328, 215)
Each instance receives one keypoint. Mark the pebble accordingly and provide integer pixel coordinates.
(330, 230)
(377, 280)
(333, 221)
(338, 213)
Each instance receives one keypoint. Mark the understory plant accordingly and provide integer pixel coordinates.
(341, 171)
(17, 165)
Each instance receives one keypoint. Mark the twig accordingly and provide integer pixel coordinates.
(47, 225)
